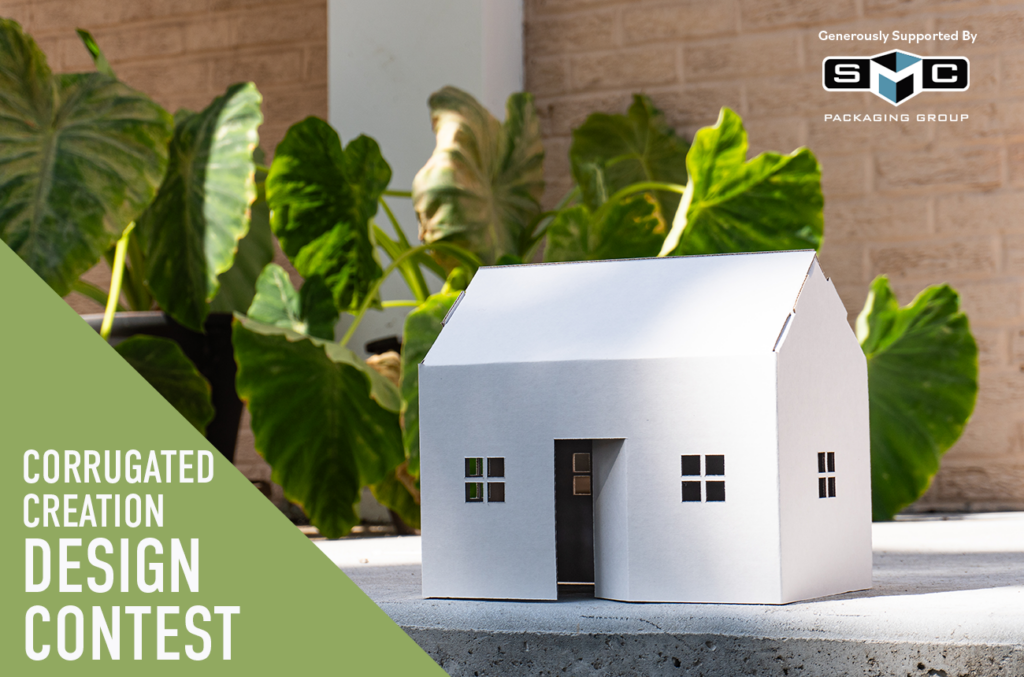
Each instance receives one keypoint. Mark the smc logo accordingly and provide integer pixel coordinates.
(896, 76)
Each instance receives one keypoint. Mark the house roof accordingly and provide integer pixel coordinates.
(625, 309)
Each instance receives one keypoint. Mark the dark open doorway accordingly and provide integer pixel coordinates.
(574, 516)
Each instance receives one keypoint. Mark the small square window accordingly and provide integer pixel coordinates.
(831, 462)
(496, 467)
(495, 492)
(474, 467)
(716, 491)
(581, 485)
(821, 462)
(822, 491)
(474, 492)
(691, 492)
(714, 465)
(691, 466)
(831, 487)
(581, 463)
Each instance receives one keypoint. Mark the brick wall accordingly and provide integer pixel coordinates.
(923, 203)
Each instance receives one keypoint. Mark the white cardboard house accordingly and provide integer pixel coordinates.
(684, 429)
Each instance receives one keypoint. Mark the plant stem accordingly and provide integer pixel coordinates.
(411, 303)
(372, 293)
(399, 193)
(411, 271)
(117, 272)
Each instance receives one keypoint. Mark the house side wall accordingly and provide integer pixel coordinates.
(823, 407)
(662, 409)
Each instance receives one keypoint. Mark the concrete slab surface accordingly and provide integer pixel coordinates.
(948, 600)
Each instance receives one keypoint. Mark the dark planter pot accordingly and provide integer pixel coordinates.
(212, 354)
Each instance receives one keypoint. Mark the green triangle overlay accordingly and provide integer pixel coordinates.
(62, 387)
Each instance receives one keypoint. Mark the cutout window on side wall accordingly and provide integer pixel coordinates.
(826, 474)
(697, 485)
(495, 490)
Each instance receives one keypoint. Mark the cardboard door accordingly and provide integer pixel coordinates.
(574, 511)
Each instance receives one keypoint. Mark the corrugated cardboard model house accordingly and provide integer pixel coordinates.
(686, 429)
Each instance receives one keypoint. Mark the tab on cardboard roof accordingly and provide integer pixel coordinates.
(624, 309)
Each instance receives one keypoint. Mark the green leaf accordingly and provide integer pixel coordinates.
(481, 187)
(625, 229)
(394, 495)
(255, 250)
(771, 203)
(310, 312)
(191, 231)
(421, 329)
(81, 157)
(325, 421)
(165, 366)
(321, 201)
(98, 58)
(610, 152)
(922, 384)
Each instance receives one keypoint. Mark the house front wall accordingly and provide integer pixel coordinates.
(650, 413)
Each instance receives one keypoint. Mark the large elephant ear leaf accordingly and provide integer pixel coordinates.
(610, 152)
(322, 198)
(310, 312)
(255, 251)
(191, 231)
(773, 202)
(335, 432)
(922, 383)
(81, 157)
(422, 326)
(165, 366)
(624, 229)
(482, 186)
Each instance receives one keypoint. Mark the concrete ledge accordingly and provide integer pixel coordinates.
(948, 600)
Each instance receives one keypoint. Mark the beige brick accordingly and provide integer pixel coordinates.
(914, 6)
(274, 26)
(316, 64)
(214, 33)
(985, 487)
(286, 106)
(1017, 347)
(980, 212)
(165, 77)
(217, 5)
(843, 264)
(697, 105)
(124, 44)
(556, 159)
(775, 136)
(270, 136)
(1015, 163)
(678, 20)
(552, 6)
(269, 67)
(547, 76)
(51, 47)
(973, 167)
(874, 219)
(842, 137)
(1013, 246)
(991, 303)
(92, 14)
(935, 261)
(20, 12)
(795, 94)
(632, 69)
(987, 121)
(1011, 72)
(740, 57)
(843, 175)
(558, 117)
(1001, 28)
(760, 14)
(576, 33)
(554, 192)
(992, 347)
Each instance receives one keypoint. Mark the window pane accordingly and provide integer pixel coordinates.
(495, 492)
(691, 492)
(821, 462)
(691, 465)
(581, 463)
(716, 491)
(714, 465)
(831, 487)
(581, 485)
(474, 467)
(496, 467)
(831, 462)
(474, 492)
(821, 488)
